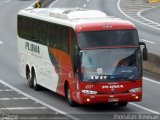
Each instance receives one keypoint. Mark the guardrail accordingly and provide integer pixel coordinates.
(153, 1)
(153, 64)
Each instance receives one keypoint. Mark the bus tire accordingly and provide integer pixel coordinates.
(35, 85)
(123, 104)
(28, 77)
(68, 97)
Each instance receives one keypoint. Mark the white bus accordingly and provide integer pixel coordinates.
(69, 50)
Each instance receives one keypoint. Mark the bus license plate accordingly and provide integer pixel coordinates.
(113, 100)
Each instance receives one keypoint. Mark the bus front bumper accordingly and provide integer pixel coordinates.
(112, 98)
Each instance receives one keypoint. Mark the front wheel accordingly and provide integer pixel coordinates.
(68, 97)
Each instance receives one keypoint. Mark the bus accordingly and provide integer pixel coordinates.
(84, 55)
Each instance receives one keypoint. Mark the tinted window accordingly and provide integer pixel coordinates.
(35, 31)
(19, 25)
(65, 39)
(45, 33)
(73, 45)
(107, 38)
(58, 37)
(51, 34)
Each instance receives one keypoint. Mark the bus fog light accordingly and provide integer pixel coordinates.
(89, 92)
(135, 90)
(88, 100)
(136, 97)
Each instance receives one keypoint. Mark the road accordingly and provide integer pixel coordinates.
(148, 30)
(9, 65)
(152, 14)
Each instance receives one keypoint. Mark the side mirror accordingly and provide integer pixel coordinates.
(145, 51)
(145, 54)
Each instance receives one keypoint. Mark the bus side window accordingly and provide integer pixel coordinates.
(57, 37)
(35, 31)
(26, 28)
(52, 34)
(43, 33)
(74, 42)
(20, 26)
(73, 46)
(65, 39)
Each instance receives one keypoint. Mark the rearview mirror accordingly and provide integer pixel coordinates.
(145, 54)
(145, 51)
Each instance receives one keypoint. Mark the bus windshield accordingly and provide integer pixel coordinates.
(108, 38)
(111, 65)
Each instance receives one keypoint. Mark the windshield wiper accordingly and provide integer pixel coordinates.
(123, 78)
(126, 79)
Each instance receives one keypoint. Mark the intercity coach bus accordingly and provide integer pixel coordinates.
(82, 54)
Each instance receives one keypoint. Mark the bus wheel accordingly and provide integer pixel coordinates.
(122, 104)
(68, 97)
(35, 85)
(30, 81)
(28, 77)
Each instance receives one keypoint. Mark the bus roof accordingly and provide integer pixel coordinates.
(79, 19)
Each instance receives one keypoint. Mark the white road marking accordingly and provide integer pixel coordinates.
(119, 8)
(144, 108)
(1, 42)
(140, 15)
(88, 0)
(24, 108)
(84, 5)
(53, 3)
(150, 80)
(148, 41)
(7, 99)
(8, 1)
(6, 90)
(32, 4)
(3, 99)
(38, 101)
(23, 98)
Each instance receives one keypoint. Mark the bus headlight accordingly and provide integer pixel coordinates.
(135, 90)
(89, 92)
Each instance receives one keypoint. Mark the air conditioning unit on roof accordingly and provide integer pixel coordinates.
(76, 13)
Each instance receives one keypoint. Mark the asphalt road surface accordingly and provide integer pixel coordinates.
(49, 102)
(152, 14)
